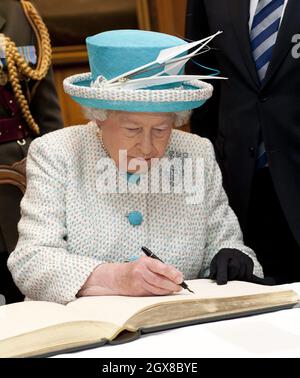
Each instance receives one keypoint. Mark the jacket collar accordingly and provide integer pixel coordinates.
(289, 27)
(240, 19)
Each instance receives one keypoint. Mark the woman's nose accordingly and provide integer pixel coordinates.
(146, 146)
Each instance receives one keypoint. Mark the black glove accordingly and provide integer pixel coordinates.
(231, 264)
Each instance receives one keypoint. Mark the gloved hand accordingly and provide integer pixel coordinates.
(231, 264)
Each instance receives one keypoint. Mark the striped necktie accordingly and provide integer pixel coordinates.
(263, 37)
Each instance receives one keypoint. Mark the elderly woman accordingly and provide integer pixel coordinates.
(76, 237)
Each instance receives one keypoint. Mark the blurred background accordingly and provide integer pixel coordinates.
(70, 22)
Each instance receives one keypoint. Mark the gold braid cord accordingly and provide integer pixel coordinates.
(16, 64)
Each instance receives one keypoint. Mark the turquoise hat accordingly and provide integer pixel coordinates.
(131, 70)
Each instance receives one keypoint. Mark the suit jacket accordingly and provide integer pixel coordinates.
(69, 225)
(242, 106)
(45, 110)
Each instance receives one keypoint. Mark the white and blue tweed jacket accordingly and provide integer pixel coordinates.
(68, 228)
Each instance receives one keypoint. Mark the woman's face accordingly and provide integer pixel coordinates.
(143, 135)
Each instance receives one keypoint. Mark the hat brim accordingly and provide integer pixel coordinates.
(187, 96)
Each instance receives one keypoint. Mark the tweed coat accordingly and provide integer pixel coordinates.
(68, 226)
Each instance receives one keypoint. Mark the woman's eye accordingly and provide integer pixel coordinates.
(159, 131)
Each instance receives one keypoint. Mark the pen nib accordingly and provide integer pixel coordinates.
(191, 291)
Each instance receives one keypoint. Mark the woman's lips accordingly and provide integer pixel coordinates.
(141, 159)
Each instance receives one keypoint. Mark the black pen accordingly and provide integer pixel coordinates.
(151, 254)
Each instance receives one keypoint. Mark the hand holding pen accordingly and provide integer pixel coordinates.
(141, 277)
(153, 256)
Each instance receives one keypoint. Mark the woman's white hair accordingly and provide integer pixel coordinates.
(94, 114)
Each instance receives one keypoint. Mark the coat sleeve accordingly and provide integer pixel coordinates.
(41, 265)
(204, 120)
(45, 106)
(222, 226)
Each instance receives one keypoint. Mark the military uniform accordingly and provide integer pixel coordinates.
(15, 135)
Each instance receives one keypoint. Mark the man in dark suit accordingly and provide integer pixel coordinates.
(15, 132)
(254, 120)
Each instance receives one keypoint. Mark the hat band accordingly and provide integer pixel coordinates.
(80, 86)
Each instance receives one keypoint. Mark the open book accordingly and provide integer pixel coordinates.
(37, 328)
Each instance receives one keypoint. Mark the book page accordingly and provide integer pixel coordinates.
(22, 317)
(118, 309)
